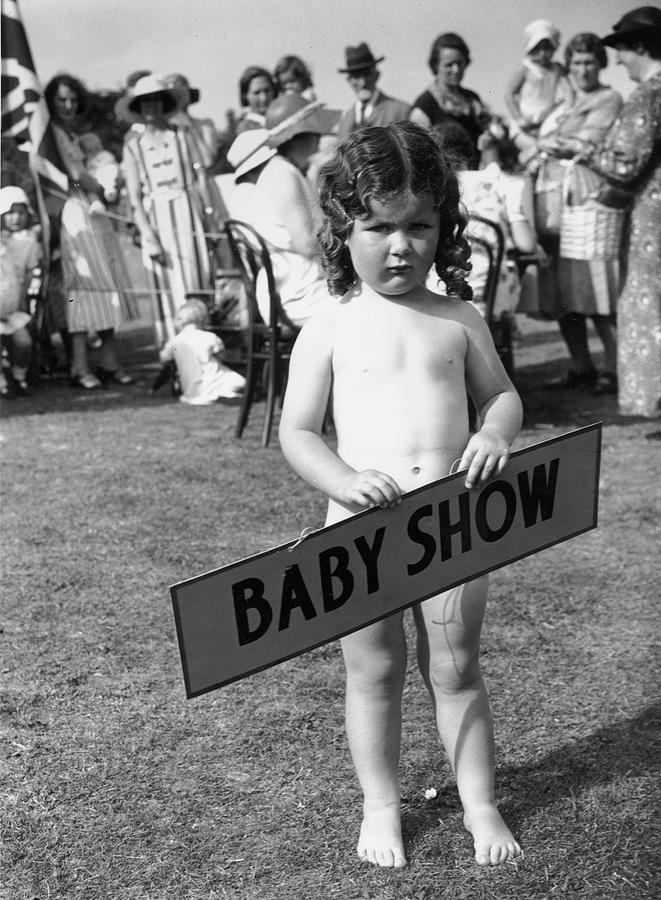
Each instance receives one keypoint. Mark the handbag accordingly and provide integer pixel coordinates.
(548, 198)
(590, 230)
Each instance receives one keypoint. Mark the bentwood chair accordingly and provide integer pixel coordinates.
(268, 344)
(490, 238)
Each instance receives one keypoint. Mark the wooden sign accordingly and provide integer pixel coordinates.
(257, 612)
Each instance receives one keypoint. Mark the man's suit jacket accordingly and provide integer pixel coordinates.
(384, 111)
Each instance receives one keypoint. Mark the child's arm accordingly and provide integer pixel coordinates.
(166, 354)
(498, 405)
(512, 94)
(308, 391)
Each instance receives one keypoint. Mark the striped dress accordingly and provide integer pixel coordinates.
(166, 167)
(95, 279)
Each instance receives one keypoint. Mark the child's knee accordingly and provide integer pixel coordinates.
(378, 674)
(453, 675)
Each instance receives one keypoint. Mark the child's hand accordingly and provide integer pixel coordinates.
(369, 489)
(486, 454)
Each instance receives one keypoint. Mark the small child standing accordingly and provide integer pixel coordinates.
(21, 259)
(197, 355)
(397, 360)
(540, 91)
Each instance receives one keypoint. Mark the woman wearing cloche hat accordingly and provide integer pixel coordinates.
(631, 159)
(160, 167)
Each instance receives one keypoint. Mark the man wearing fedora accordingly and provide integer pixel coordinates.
(372, 106)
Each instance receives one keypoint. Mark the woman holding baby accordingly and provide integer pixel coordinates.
(94, 277)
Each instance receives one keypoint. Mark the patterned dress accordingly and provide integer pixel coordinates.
(631, 157)
(166, 167)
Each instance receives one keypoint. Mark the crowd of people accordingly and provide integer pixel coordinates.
(571, 175)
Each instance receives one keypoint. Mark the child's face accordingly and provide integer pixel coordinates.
(542, 54)
(393, 250)
(17, 218)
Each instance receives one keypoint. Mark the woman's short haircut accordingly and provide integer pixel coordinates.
(451, 40)
(73, 84)
(586, 42)
(250, 73)
(296, 66)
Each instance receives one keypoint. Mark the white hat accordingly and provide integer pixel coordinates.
(249, 150)
(151, 86)
(11, 195)
(541, 30)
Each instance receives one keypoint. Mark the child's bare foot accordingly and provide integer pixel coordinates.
(380, 840)
(494, 842)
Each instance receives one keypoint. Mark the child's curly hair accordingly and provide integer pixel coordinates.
(377, 164)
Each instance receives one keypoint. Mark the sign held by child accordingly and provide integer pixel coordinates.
(252, 614)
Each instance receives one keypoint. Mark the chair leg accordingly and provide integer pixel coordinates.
(271, 394)
(248, 394)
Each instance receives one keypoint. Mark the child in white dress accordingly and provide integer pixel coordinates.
(20, 253)
(204, 379)
(539, 92)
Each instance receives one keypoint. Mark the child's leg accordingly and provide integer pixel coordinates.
(375, 660)
(448, 654)
(20, 354)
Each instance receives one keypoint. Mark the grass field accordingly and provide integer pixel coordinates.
(115, 787)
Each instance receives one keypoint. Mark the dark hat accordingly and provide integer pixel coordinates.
(291, 114)
(179, 84)
(644, 21)
(359, 57)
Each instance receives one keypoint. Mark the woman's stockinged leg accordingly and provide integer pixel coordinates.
(449, 628)
(375, 661)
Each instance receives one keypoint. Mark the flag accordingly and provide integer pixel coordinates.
(25, 115)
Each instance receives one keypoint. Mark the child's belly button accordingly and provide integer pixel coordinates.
(415, 470)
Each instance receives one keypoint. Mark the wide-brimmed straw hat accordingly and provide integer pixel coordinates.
(641, 22)
(154, 87)
(541, 30)
(249, 150)
(359, 57)
(291, 114)
(10, 195)
(180, 87)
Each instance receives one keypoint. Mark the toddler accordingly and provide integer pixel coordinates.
(196, 353)
(540, 91)
(497, 192)
(21, 260)
(101, 165)
(398, 360)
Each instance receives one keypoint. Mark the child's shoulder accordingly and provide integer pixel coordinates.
(449, 306)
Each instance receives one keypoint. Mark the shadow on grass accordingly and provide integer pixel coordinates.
(629, 747)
